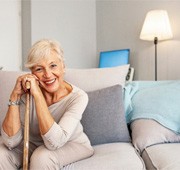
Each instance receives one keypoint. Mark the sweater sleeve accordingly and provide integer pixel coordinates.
(13, 141)
(61, 132)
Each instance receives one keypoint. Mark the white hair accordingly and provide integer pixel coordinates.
(44, 49)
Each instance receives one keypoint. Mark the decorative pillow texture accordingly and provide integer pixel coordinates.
(97, 78)
(103, 119)
(148, 132)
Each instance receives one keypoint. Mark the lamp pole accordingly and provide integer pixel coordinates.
(155, 43)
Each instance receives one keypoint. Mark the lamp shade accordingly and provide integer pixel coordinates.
(156, 24)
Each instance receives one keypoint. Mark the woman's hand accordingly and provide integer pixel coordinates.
(33, 83)
(21, 88)
(18, 88)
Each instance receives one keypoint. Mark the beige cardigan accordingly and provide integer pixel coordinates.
(67, 114)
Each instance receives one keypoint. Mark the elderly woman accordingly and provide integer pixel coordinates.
(56, 108)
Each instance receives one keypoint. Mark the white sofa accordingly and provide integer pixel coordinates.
(115, 148)
(108, 156)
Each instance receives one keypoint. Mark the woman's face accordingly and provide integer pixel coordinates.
(50, 72)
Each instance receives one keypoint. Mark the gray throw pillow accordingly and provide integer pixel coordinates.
(104, 118)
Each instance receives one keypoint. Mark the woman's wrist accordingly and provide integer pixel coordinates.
(14, 100)
(14, 103)
(15, 97)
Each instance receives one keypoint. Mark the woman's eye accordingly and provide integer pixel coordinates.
(53, 65)
(38, 69)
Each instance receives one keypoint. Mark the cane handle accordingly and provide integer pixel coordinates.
(28, 85)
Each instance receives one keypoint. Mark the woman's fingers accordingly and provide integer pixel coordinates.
(23, 83)
(24, 79)
(28, 81)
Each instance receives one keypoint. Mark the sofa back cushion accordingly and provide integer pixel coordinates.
(97, 78)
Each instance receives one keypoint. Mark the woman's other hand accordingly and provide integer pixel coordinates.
(31, 82)
(21, 87)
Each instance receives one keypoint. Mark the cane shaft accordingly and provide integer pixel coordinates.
(26, 134)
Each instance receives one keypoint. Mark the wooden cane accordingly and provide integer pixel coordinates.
(26, 130)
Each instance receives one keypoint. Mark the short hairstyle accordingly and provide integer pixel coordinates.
(43, 49)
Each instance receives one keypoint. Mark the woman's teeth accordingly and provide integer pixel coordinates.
(49, 82)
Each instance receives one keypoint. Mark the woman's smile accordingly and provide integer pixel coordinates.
(50, 82)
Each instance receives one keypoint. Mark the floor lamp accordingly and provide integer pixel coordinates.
(156, 27)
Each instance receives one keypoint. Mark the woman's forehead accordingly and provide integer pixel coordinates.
(51, 56)
(48, 60)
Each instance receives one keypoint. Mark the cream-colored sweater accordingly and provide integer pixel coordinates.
(67, 114)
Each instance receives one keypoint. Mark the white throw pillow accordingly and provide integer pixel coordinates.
(97, 78)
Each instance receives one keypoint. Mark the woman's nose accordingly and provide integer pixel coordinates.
(47, 73)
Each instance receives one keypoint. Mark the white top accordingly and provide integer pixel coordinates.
(67, 114)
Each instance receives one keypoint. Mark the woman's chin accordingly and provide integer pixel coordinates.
(50, 88)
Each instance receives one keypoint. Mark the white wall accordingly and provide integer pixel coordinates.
(72, 23)
(85, 27)
(10, 34)
(118, 26)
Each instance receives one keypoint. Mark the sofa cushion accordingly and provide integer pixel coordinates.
(113, 156)
(149, 135)
(103, 119)
(97, 78)
(162, 156)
